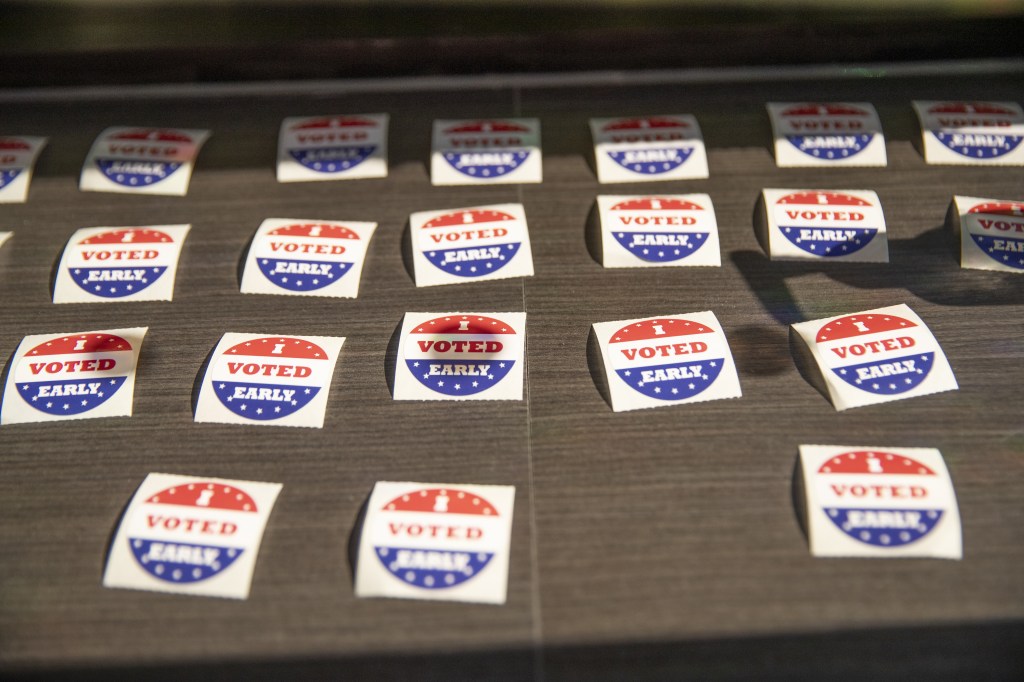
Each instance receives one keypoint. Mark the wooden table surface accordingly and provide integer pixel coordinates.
(659, 544)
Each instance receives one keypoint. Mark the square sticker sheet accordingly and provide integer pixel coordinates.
(486, 152)
(18, 156)
(436, 542)
(269, 380)
(307, 258)
(312, 148)
(972, 133)
(648, 148)
(461, 356)
(658, 231)
(470, 244)
(875, 356)
(667, 360)
(142, 161)
(81, 375)
(990, 232)
(110, 264)
(828, 225)
(826, 134)
(879, 502)
(191, 535)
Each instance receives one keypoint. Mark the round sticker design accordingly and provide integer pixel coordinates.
(830, 130)
(439, 538)
(334, 145)
(876, 353)
(654, 160)
(879, 498)
(142, 157)
(192, 532)
(306, 257)
(825, 224)
(9, 148)
(659, 243)
(460, 355)
(666, 359)
(71, 375)
(489, 148)
(998, 230)
(268, 378)
(987, 144)
(470, 243)
(120, 263)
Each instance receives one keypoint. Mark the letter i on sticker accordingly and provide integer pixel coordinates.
(461, 356)
(110, 264)
(18, 156)
(879, 502)
(333, 148)
(972, 133)
(269, 380)
(86, 375)
(666, 361)
(990, 233)
(486, 152)
(307, 258)
(191, 535)
(827, 134)
(437, 542)
(874, 357)
(142, 161)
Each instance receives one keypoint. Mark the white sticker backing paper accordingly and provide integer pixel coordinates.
(191, 535)
(142, 161)
(972, 133)
(84, 375)
(879, 502)
(333, 148)
(270, 380)
(18, 156)
(486, 152)
(437, 542)
(990, 233)
(826, 134)
(648, 148)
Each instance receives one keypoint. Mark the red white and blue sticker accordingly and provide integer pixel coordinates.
(269, 380)
(333, 148)
(18, 156)
(85, 375)
(470, 244)
(142, 161)
(972, 133)
(877, 356)
(991, 233)
(461, 356)
(836, 225)
(307, 258)
(826, 134)
(666, 361)
(658, 231)
(111, 264)
(648, 148)
(437, 542)
(191, 535)
(879, 502)
(486, 152)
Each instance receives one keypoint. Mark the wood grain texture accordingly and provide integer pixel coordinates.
(660, 543)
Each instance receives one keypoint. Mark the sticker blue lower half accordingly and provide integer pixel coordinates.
(432, 569)
(71, 396)
(178, 562)
(890, 376)
(115, 282)
(302, 275)
(459, 377)
(1002, 249)
(674, 381)
(651, 161)
(136, 172)
(263, 402)
(473, 261)
(661, 247)
(332, 159)
(885, 527)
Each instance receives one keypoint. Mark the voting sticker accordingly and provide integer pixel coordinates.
(267, 380)
(486, 152)
(461, 356)
(990, 233)
(470, 244)
(191, 535)
(825, 225)
(658, 231)
(4, 236)
(875, 356)
(18, 156)
(307, 258)
(879, 502)
(972, 133)
(142, 161)
(84, 375)
(436, 542)
(667, 360)
(112, 264)
(826, 134)
(318, 148)
(648, 148)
